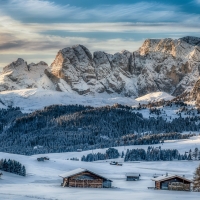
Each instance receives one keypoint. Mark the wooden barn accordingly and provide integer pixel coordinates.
(85, 179)
(172, 182)
(132, 177)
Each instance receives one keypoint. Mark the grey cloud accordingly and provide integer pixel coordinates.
(30, 45)
(12, 45)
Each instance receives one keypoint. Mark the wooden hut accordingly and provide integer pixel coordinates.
(132, 177)
(85, 179)
(172, 182)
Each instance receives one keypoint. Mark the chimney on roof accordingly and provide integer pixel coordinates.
(166, 174)
(183, 176)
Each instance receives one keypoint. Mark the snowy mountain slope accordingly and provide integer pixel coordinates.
(153, 97)
(163, 65)
(30, 100)
(34, 99)
(43, 176)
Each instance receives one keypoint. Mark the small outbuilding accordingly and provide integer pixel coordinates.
(85, 178)
(132, 177)
(172, 182)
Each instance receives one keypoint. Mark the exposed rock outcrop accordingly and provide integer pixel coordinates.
(165, 65)
(20, 75)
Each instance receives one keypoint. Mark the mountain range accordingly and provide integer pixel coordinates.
(160, 65)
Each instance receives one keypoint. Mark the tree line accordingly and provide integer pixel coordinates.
(12, 166)
(151, 154)
(110, 154)
(159, 154)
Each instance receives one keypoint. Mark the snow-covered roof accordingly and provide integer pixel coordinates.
(133, 174)
(73, 172)
(170, 176)
(77, 171)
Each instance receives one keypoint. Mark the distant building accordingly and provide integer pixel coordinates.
(132, 177)
(42, 159)
(85, 179)
(172, 182)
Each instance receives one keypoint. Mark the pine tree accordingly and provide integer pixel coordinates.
(1, 164)
(23, 171)
(5, 165)
(195, 153)
(196, 183)
(122, 154)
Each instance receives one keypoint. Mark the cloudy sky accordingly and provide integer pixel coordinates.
(36, 29)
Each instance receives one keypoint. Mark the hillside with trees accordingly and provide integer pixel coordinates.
(60, 128)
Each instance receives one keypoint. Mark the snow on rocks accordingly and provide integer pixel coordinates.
(20, 75)
(161, 65)
(33, 99)
(153, 97)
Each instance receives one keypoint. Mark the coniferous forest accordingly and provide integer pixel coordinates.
(152, 154)
(12, 166)
(110, 154)
(60, 128)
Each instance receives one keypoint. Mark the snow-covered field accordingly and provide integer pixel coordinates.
(155, 96)
(43, 182)
(30, 100)
(33, 99)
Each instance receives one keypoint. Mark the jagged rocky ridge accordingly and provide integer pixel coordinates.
(165, 65)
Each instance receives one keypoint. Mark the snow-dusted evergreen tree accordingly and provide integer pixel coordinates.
(1, 164)
(153, 154)
(122, 154)
(13, 166)
(110, 154)
(189, 155)
(196, 180)
(23, 171)
(195, 154)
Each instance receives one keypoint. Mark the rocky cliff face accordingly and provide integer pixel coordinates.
(20, 75)
(166, 65)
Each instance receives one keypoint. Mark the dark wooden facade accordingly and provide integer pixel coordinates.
(132, 177)
(86, 179)
(173, 183)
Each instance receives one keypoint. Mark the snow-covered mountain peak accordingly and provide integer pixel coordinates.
(20, 75)
(16, 65)
(195, 41)
(160, 65)
(179, 48)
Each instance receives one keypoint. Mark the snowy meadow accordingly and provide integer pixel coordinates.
(43, 181)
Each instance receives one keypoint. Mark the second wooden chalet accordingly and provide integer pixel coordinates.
(172, 182)
(85, 179)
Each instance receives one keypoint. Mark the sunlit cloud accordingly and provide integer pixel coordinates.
(34, 29)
